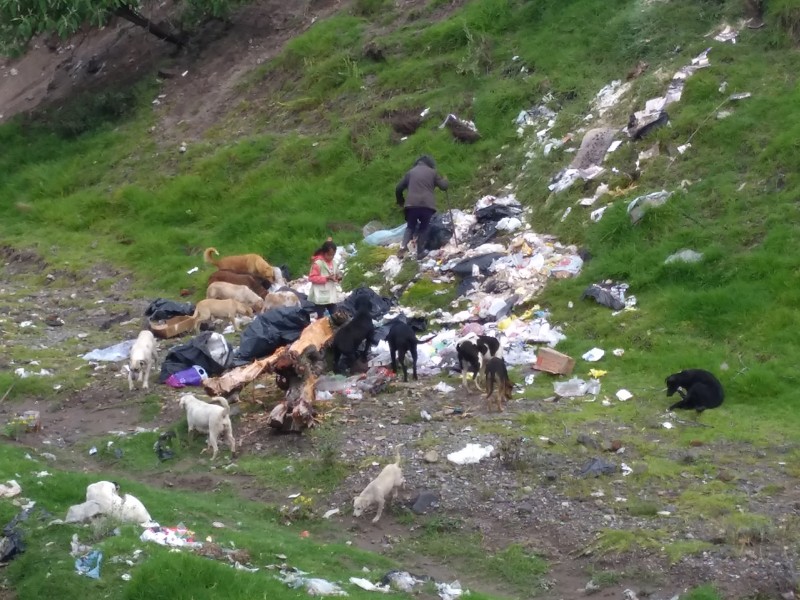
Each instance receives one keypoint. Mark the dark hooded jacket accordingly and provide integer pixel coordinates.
(420, 182)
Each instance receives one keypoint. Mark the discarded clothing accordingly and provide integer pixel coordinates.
(269, 331)
(89, 565)
(208, 350)
(162, 309)
(608, 294)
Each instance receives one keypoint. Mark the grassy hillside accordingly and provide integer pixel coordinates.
(308, 152)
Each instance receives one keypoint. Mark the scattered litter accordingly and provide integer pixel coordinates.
(449, 591)
(9, 489)
(686, 255)
(23, 374)
(369, 586)
(618, 351)
(295, 579)
(683, 148)
(727, 34)
(78, 549)
(192, 270)
(626, 470)
(739, 96)
(593, 355)
(597, 373)
(113, 353)
(470, 454)
(576, 387)
(175, 537)
(328, 514)
(551, 361)
(444, 388)
(667, 425)
(639, 205)
(89, 565)
(724, 114)
(623, 395)
(597, 214)
(218, 525)
(610, 294)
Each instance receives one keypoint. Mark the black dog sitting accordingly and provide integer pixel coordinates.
(472, 357)
(402, 339)
(703, 390)
(349, 338)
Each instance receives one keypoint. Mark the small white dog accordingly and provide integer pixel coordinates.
(386, 484)
(213, 419)
(144, 355)
(126, 508)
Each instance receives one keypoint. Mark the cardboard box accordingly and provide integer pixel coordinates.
(172, 327)
(551, 361)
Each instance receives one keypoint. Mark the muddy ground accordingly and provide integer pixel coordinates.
(527, 492)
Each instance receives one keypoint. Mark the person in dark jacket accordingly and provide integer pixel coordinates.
(420, 205)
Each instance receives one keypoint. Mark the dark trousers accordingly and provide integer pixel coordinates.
(321, 308)
(418, 221)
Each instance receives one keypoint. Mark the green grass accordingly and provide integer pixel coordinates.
(319, 159)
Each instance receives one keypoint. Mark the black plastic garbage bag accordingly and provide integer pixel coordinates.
(163, 309)
(495, 212)
(467, 285)
(608, 294)
(597, 467)
(201, 351)
(11, 539)
(416, 323)
(481, 234)
(269, 331)
(439, 233)
(464, 268)
(379, 305)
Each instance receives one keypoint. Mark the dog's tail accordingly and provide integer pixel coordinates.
(426, 340)
(223, 403)
(397, 454)
(207, 256)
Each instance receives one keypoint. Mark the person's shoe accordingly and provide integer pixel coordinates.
(401, 253)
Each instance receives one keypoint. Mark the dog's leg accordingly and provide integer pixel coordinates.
(413, 353)
(231, 440)
(381, 503)
(463, 375)
(403, 365)
(393, 355)
(212, 441)
(130, 380)
(146, 375)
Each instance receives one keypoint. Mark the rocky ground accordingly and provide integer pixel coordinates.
(629, 529)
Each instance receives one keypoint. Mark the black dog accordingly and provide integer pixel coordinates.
(348, 339)
(497, 374)
(703, 390)
(472, 357)
(402, 339)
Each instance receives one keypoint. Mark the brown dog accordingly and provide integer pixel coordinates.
(239, 279)
(207, 309)
(251, 264)
(497, 375)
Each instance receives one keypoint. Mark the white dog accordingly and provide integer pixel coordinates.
(105, 494)
(386, 484)
(144, 355)
(209, 418)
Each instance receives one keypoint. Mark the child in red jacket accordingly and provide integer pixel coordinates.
(324, 279)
